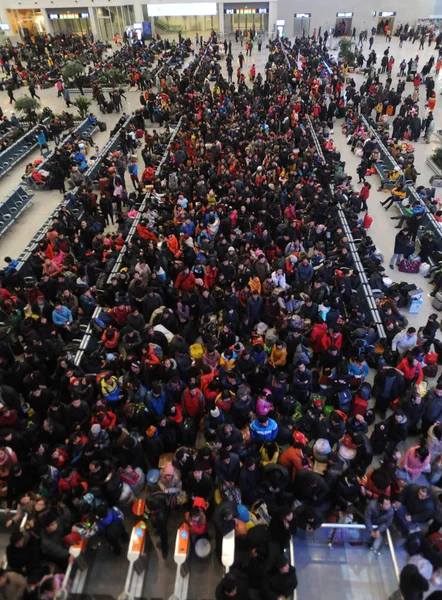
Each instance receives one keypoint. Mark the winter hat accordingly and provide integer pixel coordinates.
(215, 412)
(96, 429)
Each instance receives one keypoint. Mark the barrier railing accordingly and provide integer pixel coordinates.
(76, 572)
(364, 286)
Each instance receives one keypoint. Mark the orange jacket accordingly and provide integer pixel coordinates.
(144, 233)
(292, 459)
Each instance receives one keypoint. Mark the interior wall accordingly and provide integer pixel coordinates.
(324, 12)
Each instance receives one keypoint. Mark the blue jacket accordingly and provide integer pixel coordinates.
(157, 404)
(62, 317)
(304, 273)
(261, 433)
(112, 516)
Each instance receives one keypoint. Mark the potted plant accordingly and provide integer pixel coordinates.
(73, 71)
(82, 104)
(346, 51)
(435, 162)
(28, 106)
(115, 77)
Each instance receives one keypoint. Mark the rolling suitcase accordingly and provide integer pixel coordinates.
(437, 301)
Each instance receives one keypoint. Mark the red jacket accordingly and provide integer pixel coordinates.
(364, 193)
(109, 419)
(318, 332)
(68, 484)
(410, 372)
(332, 339)
(144, 233)
(185, 282)
(193, 405)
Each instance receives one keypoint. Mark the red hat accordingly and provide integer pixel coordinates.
(299, 438)
(74, 380)
(317, 403)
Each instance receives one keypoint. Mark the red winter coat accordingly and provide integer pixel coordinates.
(318, 332)
(410, 372)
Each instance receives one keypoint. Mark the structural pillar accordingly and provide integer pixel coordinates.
(273, 15)
(94, 23)
(47, 21)
(138, 12)
(221, 18)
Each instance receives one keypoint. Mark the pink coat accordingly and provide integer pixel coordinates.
(412, 464)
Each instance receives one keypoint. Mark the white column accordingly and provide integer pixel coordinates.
(221, 17)
(47, 21)
(4, 16)
(273, 15)
(94, 23)
(138, 11)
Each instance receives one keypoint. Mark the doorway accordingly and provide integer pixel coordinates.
(254, 17)
(302, 24)
(382, 23)
(343, 26)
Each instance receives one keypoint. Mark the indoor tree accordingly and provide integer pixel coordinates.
(346, 51)
(28, 106)
(73, 70)
(82, 104)
(115, 77)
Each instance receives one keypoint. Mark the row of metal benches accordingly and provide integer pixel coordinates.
(10, 157)
(12, 207)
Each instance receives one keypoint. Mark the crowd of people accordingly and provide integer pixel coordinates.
(229, 363)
